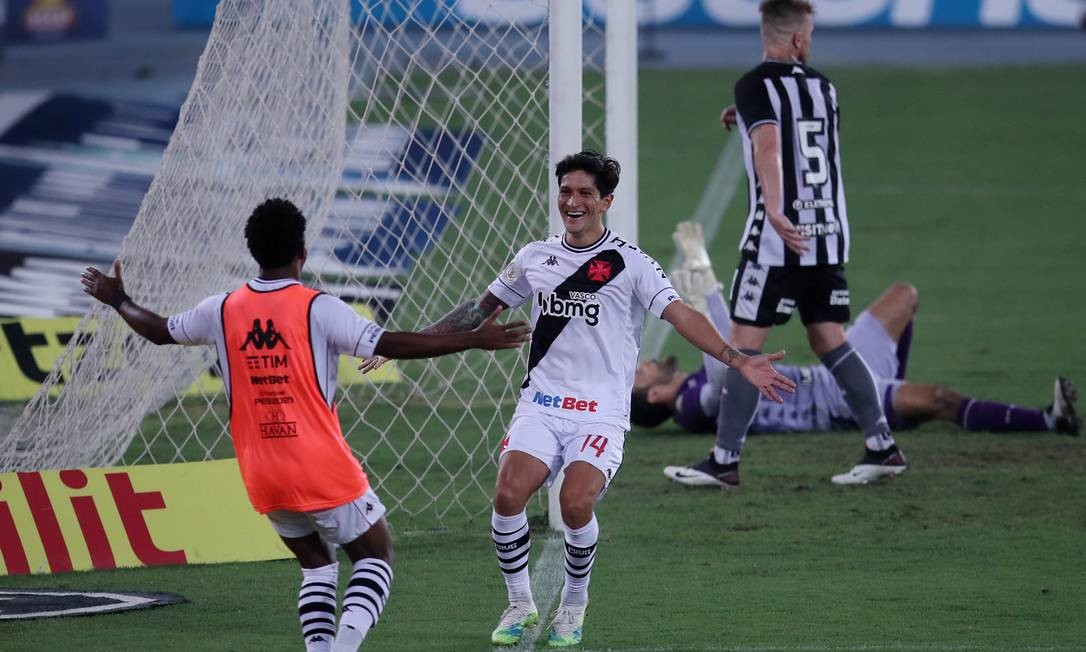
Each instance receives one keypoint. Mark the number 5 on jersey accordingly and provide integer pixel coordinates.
(817, 169)
(598, 442)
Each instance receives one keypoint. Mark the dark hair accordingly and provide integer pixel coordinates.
(275, 232)
(646, 414)
(604, 169)
(785, 11)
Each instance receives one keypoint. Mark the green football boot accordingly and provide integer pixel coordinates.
(515, 619)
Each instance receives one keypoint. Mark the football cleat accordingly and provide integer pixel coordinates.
(1062, 410)
(873, 466)
(517, 617)
(706, 473)
(566, 626)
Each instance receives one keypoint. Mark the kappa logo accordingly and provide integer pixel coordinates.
(599, 270)
(551, 261)
(263, 338)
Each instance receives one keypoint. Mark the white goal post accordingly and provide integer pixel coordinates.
(412, 135)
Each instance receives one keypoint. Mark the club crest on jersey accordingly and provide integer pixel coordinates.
(599, 271)
(579, 305)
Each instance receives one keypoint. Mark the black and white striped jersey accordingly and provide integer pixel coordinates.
(803, 103)
(588, 306)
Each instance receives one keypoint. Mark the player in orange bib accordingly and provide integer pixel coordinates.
(278, 345)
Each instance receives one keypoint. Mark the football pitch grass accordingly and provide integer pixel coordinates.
(966, 184)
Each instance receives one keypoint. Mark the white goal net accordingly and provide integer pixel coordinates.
(413, 135)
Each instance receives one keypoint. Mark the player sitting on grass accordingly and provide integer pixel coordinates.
(278, 344)
(882, 335)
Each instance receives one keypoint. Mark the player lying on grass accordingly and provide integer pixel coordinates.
(882, 335)
(278, 345)
(589, 290)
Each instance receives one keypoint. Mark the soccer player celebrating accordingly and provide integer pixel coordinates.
(882, 334)
(796, 240)
(589, 290)
(278, 345)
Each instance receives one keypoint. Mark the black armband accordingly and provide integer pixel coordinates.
(117, 298)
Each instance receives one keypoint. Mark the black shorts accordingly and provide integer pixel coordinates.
(767, 296)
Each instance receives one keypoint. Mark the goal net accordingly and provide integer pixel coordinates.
(414, 137)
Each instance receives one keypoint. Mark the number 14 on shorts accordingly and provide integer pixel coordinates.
(597, 442)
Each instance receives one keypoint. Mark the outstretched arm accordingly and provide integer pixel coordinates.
(488, 335)
(758, 371)
(465, 317)
(110, 291)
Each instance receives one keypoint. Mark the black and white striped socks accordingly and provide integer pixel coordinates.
(363, 602)
(580, 556)
(317, 607)
(512, 542)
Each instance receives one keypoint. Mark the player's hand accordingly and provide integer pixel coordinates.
(728, 118)
(759, 372)
(370, 364)
(790, 233)
(102, 286)
(491, 335)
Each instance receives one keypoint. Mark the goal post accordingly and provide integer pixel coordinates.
(416, 138)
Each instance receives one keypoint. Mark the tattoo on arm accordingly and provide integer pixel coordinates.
(728, 355)
(466, 316)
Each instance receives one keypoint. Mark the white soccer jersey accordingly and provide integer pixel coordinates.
(588, 306)
(335, 329)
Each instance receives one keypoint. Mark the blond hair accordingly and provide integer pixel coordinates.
(782, 18)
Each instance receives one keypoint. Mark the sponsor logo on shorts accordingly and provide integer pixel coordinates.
(579, 305)
(786, 306)
(839, 298)
(571, 403)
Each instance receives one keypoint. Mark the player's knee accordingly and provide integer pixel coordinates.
(508, 501)
(577, 510)
(908, 293)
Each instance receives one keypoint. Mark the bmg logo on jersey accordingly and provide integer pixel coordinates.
(580, 305)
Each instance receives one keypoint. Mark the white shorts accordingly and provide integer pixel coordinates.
(559, 442)
(879, 351)
(338, 525)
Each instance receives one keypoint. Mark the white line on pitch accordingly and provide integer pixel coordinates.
(548, 577)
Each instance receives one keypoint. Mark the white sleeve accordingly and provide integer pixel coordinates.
(346, 331)
(511, 286)
(651, 285)
(199, 325)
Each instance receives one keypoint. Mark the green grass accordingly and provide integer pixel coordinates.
(967, 184)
